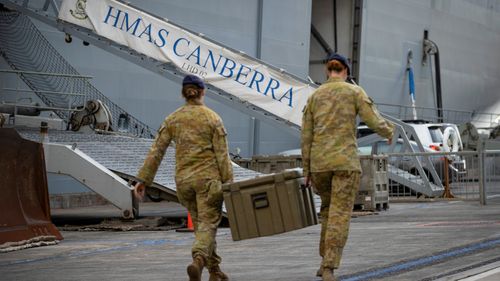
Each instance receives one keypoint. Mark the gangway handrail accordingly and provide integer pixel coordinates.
(446, 112)
(73, 109)
(434, 108)
(41, 91)
(437, 153)
(46, 73)
(20, 73)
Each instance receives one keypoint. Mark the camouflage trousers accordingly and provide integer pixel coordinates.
(203, 199)
(337, 190)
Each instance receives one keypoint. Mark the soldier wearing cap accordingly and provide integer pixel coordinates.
(202, 165)
(329, 153)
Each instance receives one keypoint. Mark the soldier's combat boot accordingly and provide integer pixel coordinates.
(328, 274)
(319, 273)
(195, 268)
(217, 275)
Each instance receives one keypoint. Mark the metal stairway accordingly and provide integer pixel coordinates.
(26, 49)
(420, 182)
(93, 156)
(47, 12)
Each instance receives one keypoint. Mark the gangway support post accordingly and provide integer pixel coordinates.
(68, 160)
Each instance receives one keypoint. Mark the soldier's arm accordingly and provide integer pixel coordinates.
(219, 142)
(371, 117)
(306, 138)
(156, 152)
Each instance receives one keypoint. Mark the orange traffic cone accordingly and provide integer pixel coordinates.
(190, 225)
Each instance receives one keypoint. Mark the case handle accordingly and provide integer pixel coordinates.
(260, 201)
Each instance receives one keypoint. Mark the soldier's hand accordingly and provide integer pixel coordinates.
(307, 181)
(389, 141)
(139, 191)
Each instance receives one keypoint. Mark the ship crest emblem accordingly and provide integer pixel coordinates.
(79, 12)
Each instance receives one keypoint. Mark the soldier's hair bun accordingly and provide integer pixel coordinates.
(190, 92)
(335, 65)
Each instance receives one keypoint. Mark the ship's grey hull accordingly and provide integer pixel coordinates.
(467, 33)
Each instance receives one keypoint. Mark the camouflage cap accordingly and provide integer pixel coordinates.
(193, 80)
(341, 59)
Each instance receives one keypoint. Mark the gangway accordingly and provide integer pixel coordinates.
(270, 94)
(100, 161)
(420, 182)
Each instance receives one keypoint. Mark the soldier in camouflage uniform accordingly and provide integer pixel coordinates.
(329, 152)
(202, 165)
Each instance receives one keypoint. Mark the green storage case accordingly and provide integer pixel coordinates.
(269, 205)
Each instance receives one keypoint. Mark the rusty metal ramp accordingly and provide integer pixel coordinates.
(24, 203)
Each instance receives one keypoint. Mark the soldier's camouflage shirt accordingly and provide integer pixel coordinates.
(201, 150)
(329, 126)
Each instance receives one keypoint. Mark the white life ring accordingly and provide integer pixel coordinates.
(450, 135)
